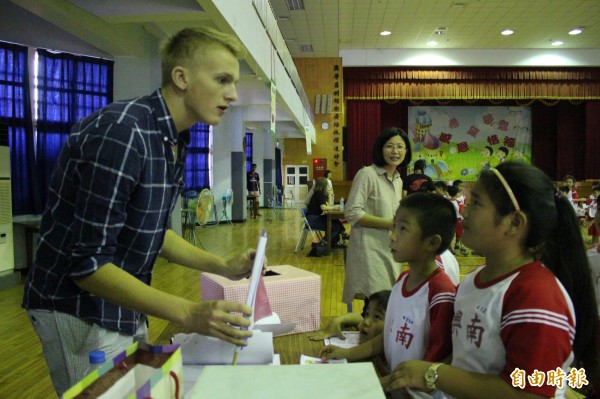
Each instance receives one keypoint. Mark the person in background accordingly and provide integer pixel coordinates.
(593, 255)
(373, 199)
(417, 180)
(314, 212)
(116, 183)
(591, 211)
(515, 317)
(441, 188)
(419, 316)
(253, 185)
(572, 195)
(460, 185)
(331, 195)
(459, 206)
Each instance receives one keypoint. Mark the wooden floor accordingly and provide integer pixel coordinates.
(23, 372)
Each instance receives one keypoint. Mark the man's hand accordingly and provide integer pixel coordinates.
(215, 318)
(241, 266)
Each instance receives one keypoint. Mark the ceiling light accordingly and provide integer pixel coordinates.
(306, 48)
(295, 5)
(576, 31)
(557, 43)
(440, 31)
(432, 43)
(283, 18)
(385, 33)
(507, 32)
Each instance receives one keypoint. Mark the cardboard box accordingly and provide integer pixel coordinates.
(294, 294)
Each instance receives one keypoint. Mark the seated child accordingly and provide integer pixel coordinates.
(370, 326)
(419, 316)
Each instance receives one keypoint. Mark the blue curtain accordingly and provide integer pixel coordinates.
(15, 112)
(249, 150)
(70, 87)
(197, 173)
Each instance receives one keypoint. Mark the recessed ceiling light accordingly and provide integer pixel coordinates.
(385, 33)
(557, 43)
(576, 31)
(507, 32)
(432, 43)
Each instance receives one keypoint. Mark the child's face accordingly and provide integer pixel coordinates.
(372, 324)
(480, 222)
(485, 152)
(569, 183)
(405, 238)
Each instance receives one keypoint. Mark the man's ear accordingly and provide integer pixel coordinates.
(179, 77)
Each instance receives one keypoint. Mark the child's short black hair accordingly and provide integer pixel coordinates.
(564, 189)
(452, 190)
(457, 182)
(435, 214)
(382, 297)
(420, 164)
(441, 185)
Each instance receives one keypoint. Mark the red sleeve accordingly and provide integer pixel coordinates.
(574, 195)
(536, 316)
(441, 312)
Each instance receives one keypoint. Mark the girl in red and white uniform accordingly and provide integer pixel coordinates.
(514, 330)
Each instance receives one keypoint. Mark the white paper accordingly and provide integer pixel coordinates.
(200, 349)
(257, 267)
(352, 340)
(273, 325)
(309, 360)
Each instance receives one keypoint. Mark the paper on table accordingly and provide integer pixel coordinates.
(309, 360)
(352, 340)
(273, 324)
(200, 349)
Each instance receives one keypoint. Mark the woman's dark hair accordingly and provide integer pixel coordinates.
(383, 138)
(327, 172)
(420, 164)
(435, 215)
(553, 237)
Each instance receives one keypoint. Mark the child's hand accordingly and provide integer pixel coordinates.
(334, 329)
(332, 352)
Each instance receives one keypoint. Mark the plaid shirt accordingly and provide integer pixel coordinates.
(110, 199)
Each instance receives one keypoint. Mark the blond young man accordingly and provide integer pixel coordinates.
(115, 185)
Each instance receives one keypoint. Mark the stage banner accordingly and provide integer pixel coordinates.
(457, 142)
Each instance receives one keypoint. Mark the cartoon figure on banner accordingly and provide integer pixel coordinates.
(502, 154)
(423, 136)
(436, 167)
(486, 153)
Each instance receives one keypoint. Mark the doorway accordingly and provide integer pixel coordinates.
(296, 184)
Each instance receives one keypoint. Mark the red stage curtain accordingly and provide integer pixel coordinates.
(543, 140)
(570, 136)
(363, 119)
(592, 140)
(386, 83)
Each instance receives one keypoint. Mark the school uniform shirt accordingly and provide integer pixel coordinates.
(524, 320)
(418, 322)
(448, 263)
(594, 260)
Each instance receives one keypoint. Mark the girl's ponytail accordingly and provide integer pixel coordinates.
(564, 254)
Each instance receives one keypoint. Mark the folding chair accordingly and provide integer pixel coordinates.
(316, 235)
(188, 215)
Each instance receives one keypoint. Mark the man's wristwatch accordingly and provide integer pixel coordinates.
(431, 375)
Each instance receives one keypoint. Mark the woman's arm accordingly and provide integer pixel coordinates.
(360, 193)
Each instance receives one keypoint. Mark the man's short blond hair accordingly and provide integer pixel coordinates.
(180, 48)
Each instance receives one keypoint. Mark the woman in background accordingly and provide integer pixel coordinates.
(375, 194)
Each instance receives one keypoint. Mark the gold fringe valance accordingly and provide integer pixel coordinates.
(470, 83)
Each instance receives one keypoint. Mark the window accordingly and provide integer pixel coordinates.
(66, 87)
(198, 164)
(249, 150)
